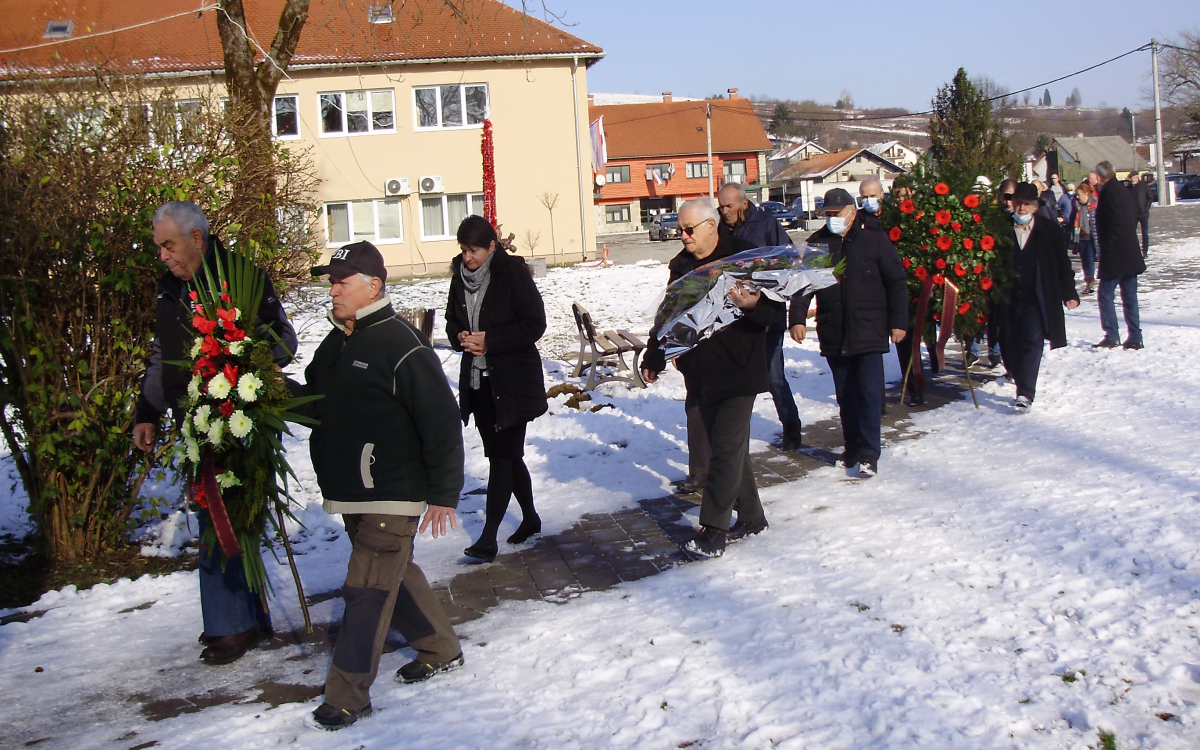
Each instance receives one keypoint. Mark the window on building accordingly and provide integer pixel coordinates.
(441, 214)
(697, 169)
(615, 173)
(663, 172)
(617, 214)
(451, 106)
(373, 220)
(736, 167)
(358, 112)
(285, 117)
(379, 14)
(58, 29)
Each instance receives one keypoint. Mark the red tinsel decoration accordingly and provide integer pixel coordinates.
(489, 174)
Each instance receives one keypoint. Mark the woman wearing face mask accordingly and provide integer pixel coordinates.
(1085, 225)
(494, 317)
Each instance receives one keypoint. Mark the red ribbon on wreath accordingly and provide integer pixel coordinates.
(207, 492)
(489, 174)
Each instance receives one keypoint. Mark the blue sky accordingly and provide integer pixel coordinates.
(885, 53)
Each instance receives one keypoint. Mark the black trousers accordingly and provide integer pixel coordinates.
(1021, 347)
(858, 382)
(730, 484)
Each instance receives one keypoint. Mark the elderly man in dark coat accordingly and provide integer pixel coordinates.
(1120, 259)
(1042, 281)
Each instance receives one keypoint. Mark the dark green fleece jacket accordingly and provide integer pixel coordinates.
(389, 439)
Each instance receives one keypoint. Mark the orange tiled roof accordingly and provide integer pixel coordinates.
(672, 128)
(337, 32)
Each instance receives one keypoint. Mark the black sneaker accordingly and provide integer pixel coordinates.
(742, 530)
(418, 671)
(1106, 344)
(868, 467)
(1135, 345)
(709, 542)
(332, 719)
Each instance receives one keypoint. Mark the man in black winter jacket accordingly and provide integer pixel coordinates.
(725, 373)
(1141, 202)
(1121, 260)
(388, 448)
(747, 222)
(234, 617)
(857, 320)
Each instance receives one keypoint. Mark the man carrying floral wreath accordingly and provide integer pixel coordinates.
(234, 616)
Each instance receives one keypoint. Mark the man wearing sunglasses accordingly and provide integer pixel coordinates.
(724, 374)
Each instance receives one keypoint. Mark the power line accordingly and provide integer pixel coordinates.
(197, 12)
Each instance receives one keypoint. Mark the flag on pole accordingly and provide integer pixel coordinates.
(599, 145)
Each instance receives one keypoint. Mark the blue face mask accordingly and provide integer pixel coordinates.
(836, 224)
(1022, 220)
(870, 205)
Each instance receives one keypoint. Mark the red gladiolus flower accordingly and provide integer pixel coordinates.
(939, 279)
(962, 309)
(940, 263)
(227, 317)
(231, 374)
(985, 283)
(920, 273)
(959, 270)
(978, 269)
(987, 243)
(894, 234)
(982, 319)
(907, 207)
(225, 285)
(194, 295)
(235, 334)
(977, 218)
(210, 347)
(935, 231)
(227, 409)
(971, 201)
(941, 188)
(956, 226)
(204, 325)
(968, 243)
(224, 296)
(942, 217)
(944, 243)
(906, 263)
(204, 368)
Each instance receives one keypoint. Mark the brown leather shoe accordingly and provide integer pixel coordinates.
(225, 649)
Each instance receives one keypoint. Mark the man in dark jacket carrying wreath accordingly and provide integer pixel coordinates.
(857, 320)
(388, 448)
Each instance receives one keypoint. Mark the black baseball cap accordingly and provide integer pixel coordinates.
(1025, 192)
(837, 199)
(358, 257)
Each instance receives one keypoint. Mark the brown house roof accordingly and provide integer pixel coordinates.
(635, 131)
(822, 164)
(172, 37)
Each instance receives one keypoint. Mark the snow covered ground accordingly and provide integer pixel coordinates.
(1007, 581)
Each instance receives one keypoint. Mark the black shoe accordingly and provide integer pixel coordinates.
(1106, 344)
(993, 360)
(332, 719)
(846, 460)
(868, 467)
(742, 530)
(691, 485)
(226, 649)
(1135, 345)
(418, 671)
(916, 398)
(526, 530)
(482, 551)
(791, 443)
(709, 541)
(972, 359)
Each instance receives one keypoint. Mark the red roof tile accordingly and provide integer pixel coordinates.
(337, 31)
(672, 128)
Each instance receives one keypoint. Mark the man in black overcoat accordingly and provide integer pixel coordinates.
(1121, 259)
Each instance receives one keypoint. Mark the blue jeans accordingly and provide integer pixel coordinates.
(1106, 297)
(777, 383)
(858, 382)
(226, 601)
(1087, 255)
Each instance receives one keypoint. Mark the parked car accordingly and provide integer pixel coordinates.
(664, 227)
(1175, 179)
(781, 213)
(1189, 189)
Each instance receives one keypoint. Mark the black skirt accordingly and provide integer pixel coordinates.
(507, 443)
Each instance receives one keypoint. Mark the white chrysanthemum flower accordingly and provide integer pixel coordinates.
(196, 348)
(227, 480)
(219, 387)
(236, 347)
(187, 427)
(248, 387)
(200, 418)
(194, 388)
(193, 450)
(239, 424)
(216, 431)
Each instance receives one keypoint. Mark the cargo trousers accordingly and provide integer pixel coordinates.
(384, 588)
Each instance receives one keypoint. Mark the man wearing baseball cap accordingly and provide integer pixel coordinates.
(388, 449)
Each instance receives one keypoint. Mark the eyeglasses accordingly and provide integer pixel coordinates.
(689, 231)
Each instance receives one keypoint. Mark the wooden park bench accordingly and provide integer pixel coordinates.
(607, 349)
(422, 320)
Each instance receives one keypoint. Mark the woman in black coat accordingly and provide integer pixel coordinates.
(494, 317)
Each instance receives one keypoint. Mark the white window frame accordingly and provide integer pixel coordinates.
(462, 98)
(352, 205)
(696, 170)
(371, 129)
(471, 198)
(727, 167)
(622, 170)
(299, 131)
(625, 213)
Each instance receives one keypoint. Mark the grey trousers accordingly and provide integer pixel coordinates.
(384, 587)
(730, 484)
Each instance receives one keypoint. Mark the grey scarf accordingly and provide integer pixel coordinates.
(475, 283)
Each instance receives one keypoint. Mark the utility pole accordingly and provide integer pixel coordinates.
(1166, 196)
(708, 134)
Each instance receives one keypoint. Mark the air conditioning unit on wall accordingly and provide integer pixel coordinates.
(431, 184)
(397, 186)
